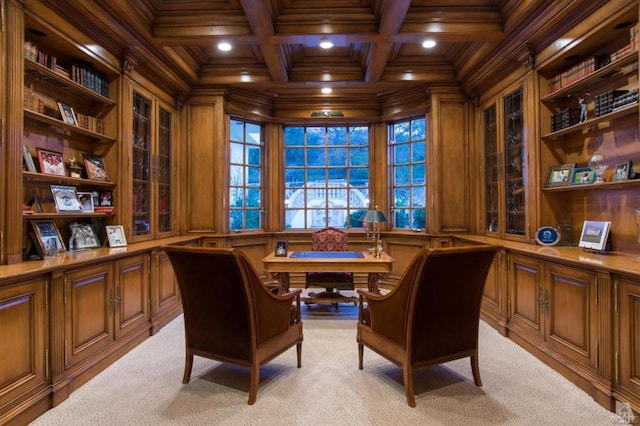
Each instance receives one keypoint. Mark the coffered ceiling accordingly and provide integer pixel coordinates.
(275, 49)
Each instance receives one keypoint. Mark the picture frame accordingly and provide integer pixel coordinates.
(548, 236)
(82, 237)
(65, 198)
(583, 176)
(68, 114)
(560, 175)
(51, 162)
(594, 235)
(94, 165)
(48, 237)
(86, 202)
(281, 249)
(621, 171)
(116, 236)
(28, 159)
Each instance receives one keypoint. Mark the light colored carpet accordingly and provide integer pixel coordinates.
(144, 387)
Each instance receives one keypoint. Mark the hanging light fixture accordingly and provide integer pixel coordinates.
(325, 43)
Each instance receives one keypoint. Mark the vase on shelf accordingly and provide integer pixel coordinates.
(598, 164)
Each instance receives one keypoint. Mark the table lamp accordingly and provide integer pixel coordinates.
(372, 218)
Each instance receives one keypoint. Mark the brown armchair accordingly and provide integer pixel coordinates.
(432, 315)
(229, 314)
(329, 239)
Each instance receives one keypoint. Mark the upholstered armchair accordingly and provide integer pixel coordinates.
(329, 239)
(229, 314)
(431, 316)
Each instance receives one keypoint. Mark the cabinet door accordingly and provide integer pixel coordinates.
(164, 169)
(572, 314)
(528, 299)
(628, 371)
(141, 181)
(23, 327)
(494, 296)
(131, 294)
(165, 294)
(89, 306)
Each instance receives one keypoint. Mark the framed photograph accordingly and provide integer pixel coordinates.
(583, 176)
(28, 159)
(116, 237)
(48, 237)
(560, 175)
(67, 113)
(51, 162)
(94, 165)
(621, 172)
(106, 198)
(86, 201)
(548, 236)
(281, 249)
(594, 235)
(82, 237)
(65, 198)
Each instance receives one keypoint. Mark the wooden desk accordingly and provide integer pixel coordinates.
(280, 267)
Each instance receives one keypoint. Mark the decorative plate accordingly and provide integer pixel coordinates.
(547, 236)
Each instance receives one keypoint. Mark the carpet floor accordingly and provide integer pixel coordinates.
(144, 387)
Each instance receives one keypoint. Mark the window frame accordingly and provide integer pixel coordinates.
(245, 186)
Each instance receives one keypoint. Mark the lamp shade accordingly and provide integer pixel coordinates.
(374, 216)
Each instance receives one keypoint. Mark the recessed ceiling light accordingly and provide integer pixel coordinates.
(326, 90)
(224, 46)
(428, 44)
(325, 43)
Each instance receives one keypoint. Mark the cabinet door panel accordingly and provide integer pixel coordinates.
(629, 335)
(526, 295)
(168, 293)
(572, 314)
(23, 327)
(131, 290)
(89, 305)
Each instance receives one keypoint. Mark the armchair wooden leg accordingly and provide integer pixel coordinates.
(475, 369)
(360, 355)
(188, 364)
(253, 385)
(299, 352)
(407, 373)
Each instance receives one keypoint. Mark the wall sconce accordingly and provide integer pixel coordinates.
(373, 218)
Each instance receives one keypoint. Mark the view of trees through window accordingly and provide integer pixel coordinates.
(326, 176)
(407, 146)
(245, 175)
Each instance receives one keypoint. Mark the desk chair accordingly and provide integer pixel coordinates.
(432, 315)
(329, 239)
(229, 314)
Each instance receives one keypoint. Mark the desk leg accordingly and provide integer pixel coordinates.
(283, 281)
(374, 281)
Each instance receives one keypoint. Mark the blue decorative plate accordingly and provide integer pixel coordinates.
(547, 236)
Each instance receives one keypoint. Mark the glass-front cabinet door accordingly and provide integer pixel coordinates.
(152, 165)
(141, 169)
(504, 165)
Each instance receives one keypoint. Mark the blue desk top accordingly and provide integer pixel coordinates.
(327, 254)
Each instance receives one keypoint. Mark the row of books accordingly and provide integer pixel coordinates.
(592, 64)
(604, 101)
(82, 73)
(565, 118)
(90, 123)
(32, 101)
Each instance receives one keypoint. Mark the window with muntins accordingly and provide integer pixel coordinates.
(407, 156)
(326, 176)
(245, 175)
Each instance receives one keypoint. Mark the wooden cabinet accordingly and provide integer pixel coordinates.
(599, 70)
(627, 340)
(69, 136)
(153, 168)
(131, 294)
(24, 373)
(505, 164)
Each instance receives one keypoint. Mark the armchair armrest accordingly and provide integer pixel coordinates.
(385, 314)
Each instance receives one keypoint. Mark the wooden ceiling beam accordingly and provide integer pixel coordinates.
(392, 16)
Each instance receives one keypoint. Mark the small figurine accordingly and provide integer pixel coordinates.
(583, 110)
